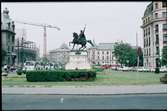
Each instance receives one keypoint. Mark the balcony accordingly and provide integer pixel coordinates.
(154, 20)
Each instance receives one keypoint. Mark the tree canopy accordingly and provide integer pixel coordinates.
(164, 55)
(127, 55)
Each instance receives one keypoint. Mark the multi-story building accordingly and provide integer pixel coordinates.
(8, 38)
(102, 54)
(60, 56)
(154, 32)
(26, 51)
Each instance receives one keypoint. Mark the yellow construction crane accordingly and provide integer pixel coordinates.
(44, 27)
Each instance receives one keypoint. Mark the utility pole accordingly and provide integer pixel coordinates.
(45, 44)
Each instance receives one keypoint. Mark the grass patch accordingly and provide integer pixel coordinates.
(106, 77)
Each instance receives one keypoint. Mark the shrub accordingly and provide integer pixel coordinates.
(19, 71)
(60, 75)
(165, 76)
(157, 70)
(98, 69)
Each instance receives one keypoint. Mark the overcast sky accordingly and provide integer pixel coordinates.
(106, 21)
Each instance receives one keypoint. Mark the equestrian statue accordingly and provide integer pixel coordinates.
(80, 40)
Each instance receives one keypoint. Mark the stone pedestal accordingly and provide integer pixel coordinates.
(78, 61)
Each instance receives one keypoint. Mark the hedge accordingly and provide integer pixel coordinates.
(98, 69)
(60, 75)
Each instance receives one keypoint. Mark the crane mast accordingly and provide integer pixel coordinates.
(45, 43)
(44, 34)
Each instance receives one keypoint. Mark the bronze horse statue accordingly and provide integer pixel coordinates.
(80, 40)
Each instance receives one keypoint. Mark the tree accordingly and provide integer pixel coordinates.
(3, 55)
(45, 60)
(132, 57)
(121, 52)
(164, 55)
(126, 55)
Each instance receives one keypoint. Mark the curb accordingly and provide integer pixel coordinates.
(85, 94)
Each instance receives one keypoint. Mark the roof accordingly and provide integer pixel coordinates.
(64, 46)
(149, 9)
(104, 46)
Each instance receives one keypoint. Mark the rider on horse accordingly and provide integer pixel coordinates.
(82, 37)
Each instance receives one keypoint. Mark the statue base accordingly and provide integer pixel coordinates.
(78, 60)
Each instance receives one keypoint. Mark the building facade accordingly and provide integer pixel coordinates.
(60, 56)
(154, 32)
(8, 38)
(102, 54)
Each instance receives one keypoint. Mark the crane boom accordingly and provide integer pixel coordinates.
(40, 25)
(44, 27)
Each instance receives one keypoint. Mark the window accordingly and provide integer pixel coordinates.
(9, 25)
(103, 57)
(164, 38)
(164, 27)
(149, 31)
(98, 52)
(157, 50)
(146, 32)
(8, 48)
(156, 28)
(164, 14)
(156, 5)
(107, 52)
(103, 52)
(149, 41)
(157, 39)
(98, 57)
(164, 4)
(149, 53)
(156, 15)
(107, 58)
(13, 39)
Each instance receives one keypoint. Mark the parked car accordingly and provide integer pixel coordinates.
(29, 65)
(163, 69)
(126, 69)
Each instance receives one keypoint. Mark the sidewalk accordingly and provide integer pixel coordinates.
(128, 89)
